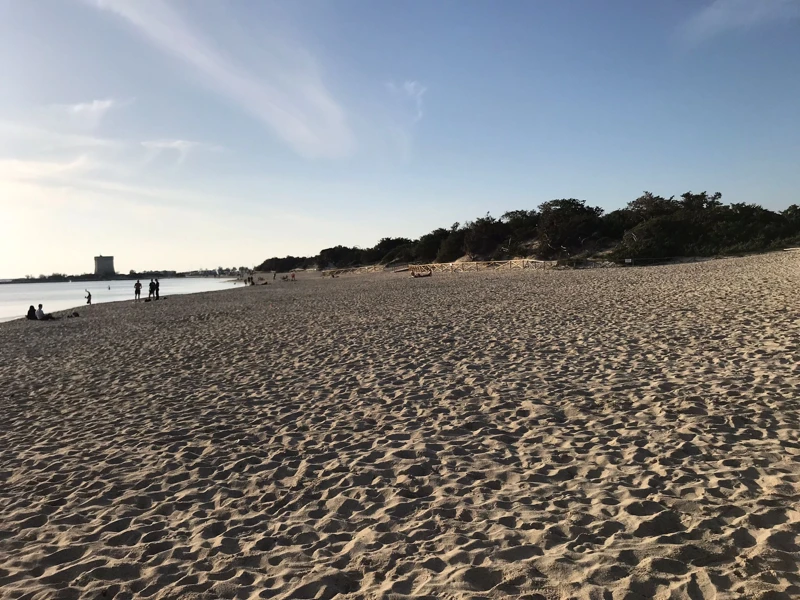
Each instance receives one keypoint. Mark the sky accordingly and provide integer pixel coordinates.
(193, 134)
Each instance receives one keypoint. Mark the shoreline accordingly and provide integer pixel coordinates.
(230, 281)
(121, 278)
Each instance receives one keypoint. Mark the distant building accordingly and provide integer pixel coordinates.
(104, 266)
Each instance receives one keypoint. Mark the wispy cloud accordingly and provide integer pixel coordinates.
(181, 147)
(95, 107)
(414, 91)
(88, 114)
(38, 170)
(720, 16)
(286, 92)
(23, 135)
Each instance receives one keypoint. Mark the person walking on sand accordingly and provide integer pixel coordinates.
(158, 285)
(274, 275)
(137, 290)
(152, 289)
(293, 279)
(88, 296)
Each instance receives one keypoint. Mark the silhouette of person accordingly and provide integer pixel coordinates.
(31, 316)
(158, 285)
(137, 290)
(88, 296)
(152, 289)
(274, 275)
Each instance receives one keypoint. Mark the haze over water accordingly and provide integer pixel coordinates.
(15, 298)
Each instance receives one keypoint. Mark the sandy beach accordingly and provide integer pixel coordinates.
(602, 434)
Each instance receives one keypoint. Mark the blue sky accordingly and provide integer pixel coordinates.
(184, 134)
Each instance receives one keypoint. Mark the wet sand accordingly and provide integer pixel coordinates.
(606, 434)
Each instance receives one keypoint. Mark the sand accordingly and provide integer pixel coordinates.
(607, 434)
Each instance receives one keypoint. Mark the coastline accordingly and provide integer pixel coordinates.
(540, 434)
(82, 307)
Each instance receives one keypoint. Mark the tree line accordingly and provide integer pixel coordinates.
(650, 227)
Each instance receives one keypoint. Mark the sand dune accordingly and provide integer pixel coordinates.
(609, 434)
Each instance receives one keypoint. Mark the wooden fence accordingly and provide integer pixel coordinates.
(454, 267)
(354, 270)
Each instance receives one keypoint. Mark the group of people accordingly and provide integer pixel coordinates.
(283, 277)
(38, 314)
(35, 314)
(154, 290)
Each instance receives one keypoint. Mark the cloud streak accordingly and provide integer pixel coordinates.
(414, 91)
(43, 139)
(37, 170)
(289, 96)
(182, 147)
(87, 114)
(95, 107)
(721, 16)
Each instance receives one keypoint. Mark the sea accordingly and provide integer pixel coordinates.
(15, 298)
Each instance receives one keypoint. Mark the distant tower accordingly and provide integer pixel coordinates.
(104, 266)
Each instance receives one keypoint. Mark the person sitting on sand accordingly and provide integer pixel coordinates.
(137, 290)
(31, 316)
(40, 314)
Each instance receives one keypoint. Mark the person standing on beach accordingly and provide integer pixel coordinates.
(88, 296)
(152, 289)
(158, 285)
(137, 290)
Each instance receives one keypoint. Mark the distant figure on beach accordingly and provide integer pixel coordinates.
(274, 275)
(293, 279)
(152, 289)
(109, 287)
(137, 290)
(158, 285)
(88, 296)
(40, 314)
(31, 316)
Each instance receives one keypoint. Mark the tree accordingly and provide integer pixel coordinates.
(427, 247)
(377, 253)
(648, 206)
(288, 263)
(452, 247)
(340, 257)
(483, 237)
(564, 225)
(650, 226)
(701, 201)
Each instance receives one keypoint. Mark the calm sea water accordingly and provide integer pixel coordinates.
(15, 298)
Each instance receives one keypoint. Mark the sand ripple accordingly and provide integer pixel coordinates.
(614, 434)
